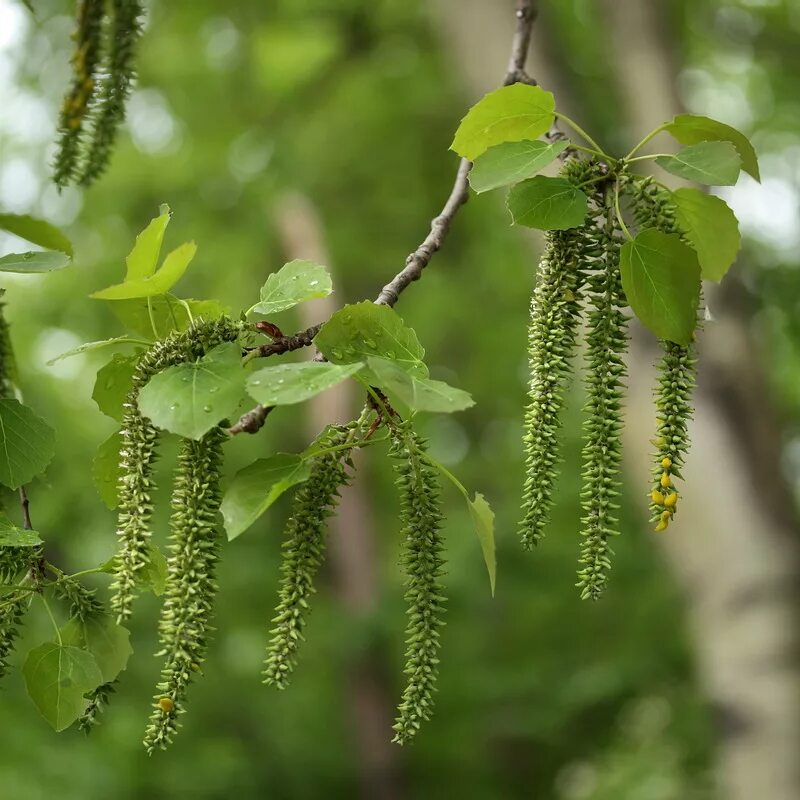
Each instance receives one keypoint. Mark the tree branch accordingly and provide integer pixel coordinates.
(440, 225)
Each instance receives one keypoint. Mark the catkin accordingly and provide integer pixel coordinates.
(125, 29)
(139, 451)
(303, 552)
(606, 339)
(676, 375)
(184, 625)
(420, 517)
(85, 64)
(554, 318)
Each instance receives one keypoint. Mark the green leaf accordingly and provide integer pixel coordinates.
(57, 677)
(510, 114)
(113, 383)
(692, 129)
(168, 313)
(419, 394)
(356, 332)
(108, 642)
(44, 261)
(105, 469)
(175, 264)
(256, 487)
(152, 576)
(661, 279)
(36, 231)
(285, 384)
(142, 260)
(713, 163)
(12, 536)
(512, 162)
(27, 444)
(550, 204)
(154, 573)
(190, 399)
(711, 228)
(483, 519)
(88, 346)
(293, 283)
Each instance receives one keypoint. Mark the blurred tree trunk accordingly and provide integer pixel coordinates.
(351, 542)
(735, 547)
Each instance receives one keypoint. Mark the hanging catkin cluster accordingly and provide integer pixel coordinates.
(420, 517)
(191, 586)
(676, 380)
(139, 451)
(554, 320)
(579, 274)
(106, 35)
(303, 550)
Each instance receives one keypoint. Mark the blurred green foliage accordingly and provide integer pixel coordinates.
(353, 104)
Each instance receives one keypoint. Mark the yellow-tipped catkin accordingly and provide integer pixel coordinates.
(656, 497)
(665, 481)
(671, 500)
(666, 463)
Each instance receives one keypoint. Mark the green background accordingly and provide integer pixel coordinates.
(353, 105)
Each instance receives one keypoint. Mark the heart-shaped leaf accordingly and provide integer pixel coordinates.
(190, 399)
(57, 677)
(510, 114)
(693, 129)
(512, 162)
(711, 228)
(108, 642)
(256, 487)
(549, 204)
(356, 332)
(285, 384)
(661, 279)
(113, 383)
(712, 163)
(292, 284)
(27, 444)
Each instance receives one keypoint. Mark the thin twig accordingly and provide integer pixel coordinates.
(25, 503)
(416, 262)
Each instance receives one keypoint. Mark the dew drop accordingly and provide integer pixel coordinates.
(207, 409)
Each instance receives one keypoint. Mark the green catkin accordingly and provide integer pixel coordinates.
(606, 338)
(676, 381)
(420, 516)
(303, 551)
(85, 62)
(99, 698)
(554, 318)
(139, 451)
(124, 34)
(14, 569)
(184, 626)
